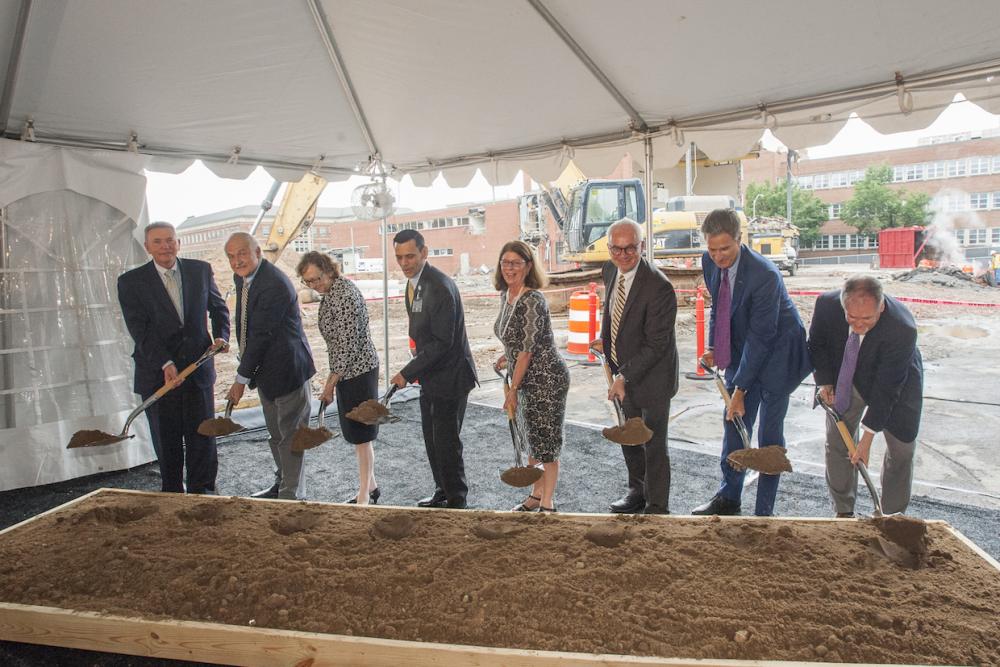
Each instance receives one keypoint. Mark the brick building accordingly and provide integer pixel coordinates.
(961, 171)
(460, 238)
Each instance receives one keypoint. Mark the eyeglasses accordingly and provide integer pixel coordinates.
(623, 250)
(512, 264)
(312, 281)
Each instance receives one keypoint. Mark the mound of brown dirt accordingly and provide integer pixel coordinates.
(770, 460)
(520, 477)
(368, 412)
(633, 432)
(307, 438)
(219, 426)
(89, 438)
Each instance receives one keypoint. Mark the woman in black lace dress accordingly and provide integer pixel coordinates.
(353, 378)
(538, 374)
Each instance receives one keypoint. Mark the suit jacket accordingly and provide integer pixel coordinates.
(443, 363)
(767, 337)
(889, 375)
(276, 355)
(646, 346)
(158, 332)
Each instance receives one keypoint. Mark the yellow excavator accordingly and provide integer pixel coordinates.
(778, 240)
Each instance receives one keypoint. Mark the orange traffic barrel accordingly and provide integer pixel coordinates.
(580, 323)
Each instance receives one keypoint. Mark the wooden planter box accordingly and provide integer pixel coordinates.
(243, 645)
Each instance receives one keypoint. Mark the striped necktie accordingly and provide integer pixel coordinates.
(244, 296)
(616, 317)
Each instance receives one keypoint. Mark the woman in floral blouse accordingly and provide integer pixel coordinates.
(343, 322)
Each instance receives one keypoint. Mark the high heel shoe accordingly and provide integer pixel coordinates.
(373, 497)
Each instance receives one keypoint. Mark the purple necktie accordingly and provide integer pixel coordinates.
(845, 379)
(722, 317)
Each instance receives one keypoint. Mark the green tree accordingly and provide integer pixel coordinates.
(876, 206)
(808, 211)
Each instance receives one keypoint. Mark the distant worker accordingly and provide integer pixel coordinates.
(353, 361)
(274, 358)
(164, 303)
(537, 372)
(443, 364)
(757, 338)
(637, 335)
(868, 367)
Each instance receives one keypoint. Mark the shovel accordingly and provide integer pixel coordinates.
(520, 475)
(903, 539)
(98, 438)
(770, 460)
(306, 438)
(219, 426)
(629, 432)
(374, 413)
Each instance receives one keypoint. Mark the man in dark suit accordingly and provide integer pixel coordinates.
(164, 303)
(637, 334)
(864, 348)
(757, 338)
(274, 358)
(443, 365)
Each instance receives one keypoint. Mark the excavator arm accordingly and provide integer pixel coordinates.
(295, 215)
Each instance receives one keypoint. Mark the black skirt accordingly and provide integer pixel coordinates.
(350, 394)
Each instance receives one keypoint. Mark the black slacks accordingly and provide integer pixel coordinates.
(649, 465)
(441, 419)
(178, 415)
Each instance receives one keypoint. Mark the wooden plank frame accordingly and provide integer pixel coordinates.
(239, 645)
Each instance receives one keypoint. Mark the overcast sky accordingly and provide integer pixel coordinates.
(198, 191)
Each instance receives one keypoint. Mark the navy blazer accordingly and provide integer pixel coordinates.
(443, 363)
(153, 323)
(276, 356)
(890, 373)
(646, 344)
(767, 337)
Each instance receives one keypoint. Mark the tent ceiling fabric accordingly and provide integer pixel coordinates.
(457, 84)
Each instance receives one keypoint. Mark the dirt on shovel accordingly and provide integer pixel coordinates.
(902, 540)
(91, 438)
(770, 460)
(369, 412)
(307, 438)
(633, 432)
(219, 426)
(521, 476)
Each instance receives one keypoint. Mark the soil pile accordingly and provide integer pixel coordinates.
(770, 460)
(306, 438)
(633, 432)
(90, 438)
(369, 412)
(705, 588)
(945, 276)
(219, 426)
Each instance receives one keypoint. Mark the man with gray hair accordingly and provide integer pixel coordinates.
(637, 334)
(864, 347)
(757, 339)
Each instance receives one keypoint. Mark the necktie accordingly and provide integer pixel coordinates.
(723, 316)
(174, 290)
(845, 378)
(616, 317)
(409, 292)
(244, 295)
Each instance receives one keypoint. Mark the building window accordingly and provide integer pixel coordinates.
(439, 252)
(915, 172)
(960, 236)
(995, 236)
(936, 170)
(979, 166)
(834, 211)
(956, 168)
(838, 241)
(839, 179)
(977, 237)
(805, 182)
(821, 181)
(996, 200)
(979, 201)
(822, 243)
(855, 176)
(899, 173)
(996, 164)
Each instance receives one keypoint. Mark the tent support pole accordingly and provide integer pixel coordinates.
(7, 377)
(647, 145)
(385, 297)
(637, 121)
(13, 65)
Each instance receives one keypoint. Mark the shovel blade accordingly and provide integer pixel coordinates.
(770, 460)
(219, 426)
(308, 438)
(370, 413)
(94, 439)
(521, 476)
(633, 432)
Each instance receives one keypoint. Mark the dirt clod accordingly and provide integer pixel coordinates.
(633, 432)
(521, 476)
(307, 438)
(219, 426)
(90, 438)
(608, 535)
(770, 460)
(394, 526)
(369, 412)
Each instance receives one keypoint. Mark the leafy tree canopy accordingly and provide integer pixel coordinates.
(876, 206)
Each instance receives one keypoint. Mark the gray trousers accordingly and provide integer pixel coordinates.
(842, 476)
(283, 416)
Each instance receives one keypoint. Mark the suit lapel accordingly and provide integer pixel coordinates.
(633, 292)
(161, 299)
(739, 286)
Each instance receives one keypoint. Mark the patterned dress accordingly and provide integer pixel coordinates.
(525, 326)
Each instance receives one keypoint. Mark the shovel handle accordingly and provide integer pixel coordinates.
(321, 414)
(848, 439)
(191, 368)
(388, 394)
(741, 426)
(229, 408)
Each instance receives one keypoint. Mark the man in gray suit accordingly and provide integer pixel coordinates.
(637, 334)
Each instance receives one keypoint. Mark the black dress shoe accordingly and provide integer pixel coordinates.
(373, 497)
(628, 505)
(718, 505)
(437, 500)
(271, 492)
(456, 504)
(655, 509)
(845, 515)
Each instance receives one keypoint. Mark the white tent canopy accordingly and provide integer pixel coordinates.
(457, 85)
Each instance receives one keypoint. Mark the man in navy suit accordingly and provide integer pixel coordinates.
(443, 365)
(164, 303)
(882, 388)
(760, 343)
(274, 358)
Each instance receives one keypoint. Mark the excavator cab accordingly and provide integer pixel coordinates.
(595, 205)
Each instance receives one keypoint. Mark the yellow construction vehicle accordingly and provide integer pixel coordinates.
(778, 240)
